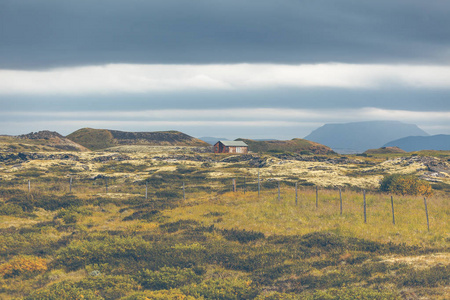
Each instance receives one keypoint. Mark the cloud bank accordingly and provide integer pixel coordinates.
(126, 78)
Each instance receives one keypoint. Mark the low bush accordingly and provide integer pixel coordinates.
(109, 287)
(10, 209)
(64, 290)
(54, 203)
(150, 216)
(223, 289)
(179, 225)
(23, 266)
(168, 278)
(242, 236)
(172, 294)
(405, 185)
(434, 276)
(352, 293)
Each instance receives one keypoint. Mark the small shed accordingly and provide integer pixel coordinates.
(231, 147)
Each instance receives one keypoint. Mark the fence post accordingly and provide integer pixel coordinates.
(296, 193)
(365, 216)
(317, 197)
(146, 190)
(29, 186)
(426, 212)
(184, 193)
(340, 199)
(70, 184)
(259, 185)
(393, 215)
(279, 196)
(245, 185)
(106, 184)
(234, 184)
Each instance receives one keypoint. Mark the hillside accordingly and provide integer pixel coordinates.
(359, 136)
(96, 139)
(418, 143)
(39, 141)
(95, 225)
(295, 145)
(385, 150)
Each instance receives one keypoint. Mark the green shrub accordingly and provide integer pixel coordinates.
(64, 290)
(222, 289)
(352, 293)
(54, 203)
(10, 209)
(278, 296)
(150, 216)
(172, 294)
(168, 278)
(109, 287)
(118, 250)
(405, 185)
(179, 225)
(23, 265)
(434, 276)
(242, 236)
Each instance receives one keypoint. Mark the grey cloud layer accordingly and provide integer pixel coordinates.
(49, 33)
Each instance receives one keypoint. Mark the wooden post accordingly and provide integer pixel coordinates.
(146, 190)
(106, 184)
(70, 184)
(296, 193)
(365, 216)
(234, 184)
(279, 196)
(317, 197)
(340, 199)
(259, 185)
(184, 193)
(393, 215)
(29, 186)
(426, 212)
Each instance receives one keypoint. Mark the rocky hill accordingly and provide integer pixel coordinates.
(295, 145)
(357, 137)
(96, 139)
(43, 140)
(418, 143)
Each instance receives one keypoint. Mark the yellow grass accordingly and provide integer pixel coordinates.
(270, 216)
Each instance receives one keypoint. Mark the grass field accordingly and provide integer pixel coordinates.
(217, 244)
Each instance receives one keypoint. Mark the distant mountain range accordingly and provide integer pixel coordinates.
(359, 136)
(96, 139)
(417, 143)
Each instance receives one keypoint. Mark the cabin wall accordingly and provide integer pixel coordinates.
(220, 148)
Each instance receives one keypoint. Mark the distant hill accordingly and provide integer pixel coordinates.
(96, 139)
(39, 141)
(294, 145)
(359, 136)
(212, 140)
(418, 143)
(385, 150)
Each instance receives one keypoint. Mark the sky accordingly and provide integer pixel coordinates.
(223, 68)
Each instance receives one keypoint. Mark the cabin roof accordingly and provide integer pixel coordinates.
(233, 143)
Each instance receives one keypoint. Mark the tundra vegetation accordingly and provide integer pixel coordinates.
(110, 225)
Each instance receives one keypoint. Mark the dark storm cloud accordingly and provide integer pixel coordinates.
(50, 33)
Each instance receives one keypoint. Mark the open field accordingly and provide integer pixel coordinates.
(105, 239)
